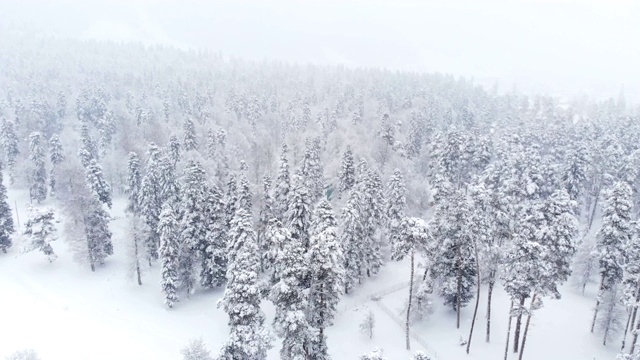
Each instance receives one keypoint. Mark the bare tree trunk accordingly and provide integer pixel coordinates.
(516, 335)
(526, 326)
(632, 318)
(595, 312)
(506, 347)
(408, 338)
(475, 310)
(593, 210)
(458, 300)
(635, 338)
(490, 292)
(17, 215)
(135, 249)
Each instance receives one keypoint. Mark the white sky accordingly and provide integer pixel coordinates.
(555, 46)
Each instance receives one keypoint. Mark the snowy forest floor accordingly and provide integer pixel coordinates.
(64, 311)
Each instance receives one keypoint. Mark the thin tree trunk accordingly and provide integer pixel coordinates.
(458, 300)
(516, 335)
(408, 339)
(593, 210)
(526, 326)
(135, 249)
(490, 292)
(506, 347)
(635, 338)
(595, 312)
(17, 216)
(632, 319)
(475, 310)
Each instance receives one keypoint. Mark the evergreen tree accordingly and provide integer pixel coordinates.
(193, 226)
(98, 235)
(290, 299)
(169, 185)
(266, 215)
(189, 135)
(6, 219)
(326, 276)
(56, 156)
(134, 183)
(214, 261)
(9, 141)
(351, 242)
(174, 150)
(241, 300)
(245, 200)
(347, 172)
(283, 186)
(312, 170)
(299, 214)
(454, 263)
(150, 200)
(372, 220)
(374, 355)
(615, 233)
(101, 190)
(169, 251)
(38, 178)
(41, 231)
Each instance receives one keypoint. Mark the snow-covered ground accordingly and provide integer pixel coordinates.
(66, 312)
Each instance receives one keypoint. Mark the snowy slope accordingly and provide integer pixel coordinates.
(65, 311)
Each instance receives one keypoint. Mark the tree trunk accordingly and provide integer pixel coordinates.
(595, 312)
(526, 326)
(593, 210)
(458, 300)
(516, 335)
(490, 292)
(475, 310)
(632, 318)
(135, 249)
(506, 348)
(635, 338)
(408, 339)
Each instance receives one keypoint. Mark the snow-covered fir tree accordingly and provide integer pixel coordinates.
(151, 201)
(40, 231)
(290, 298)
(169, 255)
(193, 226)
(245, 197)
(95, 180)
(6, 219)
(10, 145)
(299, 213)
(248, 338)
(174, 150)
(347, 172)
(134, 183)
(56, 157)
(189, 140)
(38, 176)
(396, 205)
(351, 242)
(326, 276)
(312, 170)
(213, 250)
(283, 186)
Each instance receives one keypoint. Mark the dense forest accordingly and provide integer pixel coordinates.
(293, 184)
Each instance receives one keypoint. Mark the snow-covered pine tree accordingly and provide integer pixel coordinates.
(231, 199)
(299, 213)
(248, 338)
(631, 280)
(245, 197)
(421, 355)
(413, 237)
(374, 355)
(95, 180)
(56, 156)
(214, 259)
(454, 264)
(134, 183)
(196, 350)
(38, 176)
(574, 174)
(283, 186)
(266, 215)
(347, 172)
(290, 298)
(150, 200)
(373, 220)
(174, 150)
(169, 185)
(615, 233)
(40, 231)
(211, 143)
(368, 324)
(326, 276)
(193, 226)
(312, 170)
(169, 252)
(98, 235)
(351, 242)
(9, 141)
(396, 205)
(611, 315)
(189, 135)
(6, 219)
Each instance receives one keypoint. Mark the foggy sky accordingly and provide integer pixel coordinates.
(561, 47)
